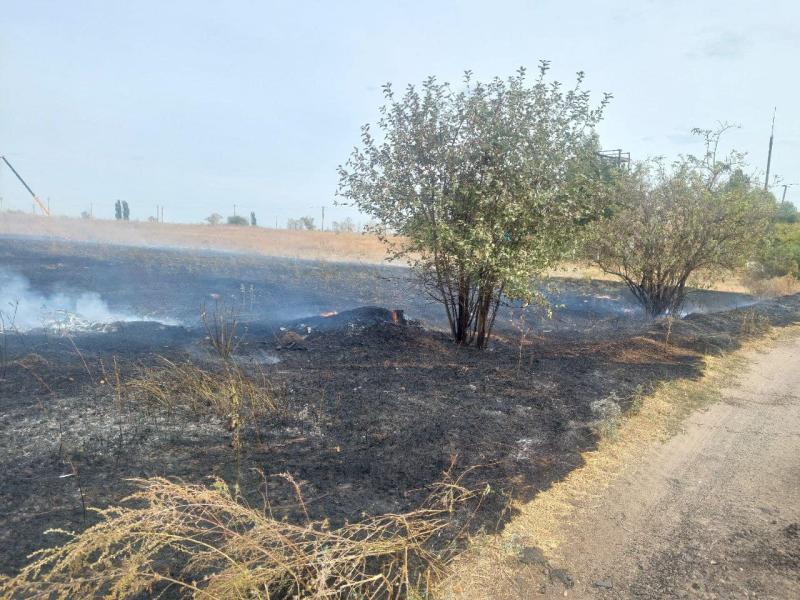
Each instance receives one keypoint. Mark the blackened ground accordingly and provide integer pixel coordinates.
(175, 285)
(371, 414)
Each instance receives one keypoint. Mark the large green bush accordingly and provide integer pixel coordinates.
(486, 184)
(672, 221)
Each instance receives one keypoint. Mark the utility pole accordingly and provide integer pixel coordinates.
(786, 185)
(769, 154)
(27, 187)
(234, 210)
(323, 219)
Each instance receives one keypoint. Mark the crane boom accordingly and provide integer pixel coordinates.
(27, 187)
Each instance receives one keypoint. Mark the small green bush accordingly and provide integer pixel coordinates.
(237, 220)
(303, 223)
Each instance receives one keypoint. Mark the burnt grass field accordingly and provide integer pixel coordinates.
(371, 411)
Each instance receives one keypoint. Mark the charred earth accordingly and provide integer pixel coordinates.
(376, 406)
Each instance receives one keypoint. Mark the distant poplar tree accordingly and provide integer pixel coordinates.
(126, 211)
(118, 210)
(253, 221)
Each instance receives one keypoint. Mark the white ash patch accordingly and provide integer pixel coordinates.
(312, 425)
(262, 357)
(525, 448)
(607, 409)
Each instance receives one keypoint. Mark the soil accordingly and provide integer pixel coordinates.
(711, 513)
(372, 412)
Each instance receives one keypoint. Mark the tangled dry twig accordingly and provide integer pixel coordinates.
(204, 542)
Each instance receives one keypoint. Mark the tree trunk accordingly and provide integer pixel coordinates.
(486, 312)
(659, 299)
(462, 333)
(470, 312)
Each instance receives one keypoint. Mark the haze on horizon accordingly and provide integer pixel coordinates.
(198, 106)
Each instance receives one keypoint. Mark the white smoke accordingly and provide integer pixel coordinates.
(23, 308)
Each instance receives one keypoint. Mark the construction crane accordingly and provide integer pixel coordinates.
(44, 208)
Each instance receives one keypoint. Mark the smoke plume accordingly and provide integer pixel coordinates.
(23, 308)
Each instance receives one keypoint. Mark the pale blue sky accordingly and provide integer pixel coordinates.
(200, 105)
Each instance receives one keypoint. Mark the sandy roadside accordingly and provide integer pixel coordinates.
(711, 513)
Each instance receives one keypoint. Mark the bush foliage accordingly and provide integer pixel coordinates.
(486, 186)
(671, 222)
(237, 220)
(781, 254)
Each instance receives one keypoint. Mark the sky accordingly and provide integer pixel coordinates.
(197, 106)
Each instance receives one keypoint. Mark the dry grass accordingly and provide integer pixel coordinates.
(220, 324)
(228, 391)
(490, 568)
(205, 542)
(177, 540)
(772, 287)
(316, 245)
(736, 282)
(754, 323)
(252, 240)
(580, 270)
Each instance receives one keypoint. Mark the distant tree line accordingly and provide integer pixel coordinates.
(238, 220)
(787, 213)
(345, 226)
(303, 223)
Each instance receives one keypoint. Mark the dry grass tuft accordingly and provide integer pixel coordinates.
(228, 391)
(772, 287)
(754, 323)
(220, 324)
(204, 542)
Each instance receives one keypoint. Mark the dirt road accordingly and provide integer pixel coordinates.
(712, 513)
